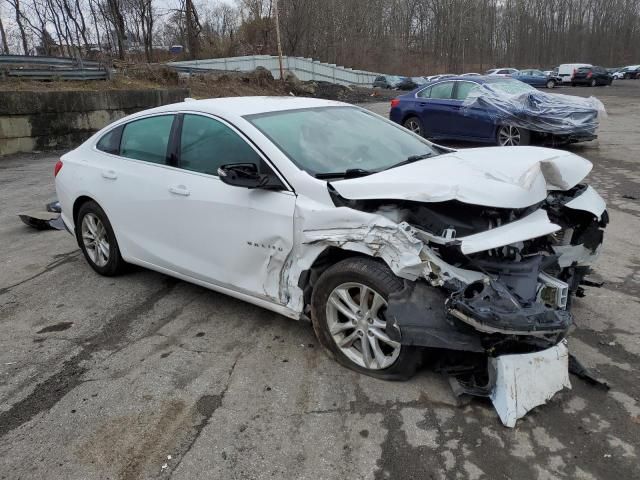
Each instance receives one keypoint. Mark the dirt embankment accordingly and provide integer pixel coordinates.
(209, 85)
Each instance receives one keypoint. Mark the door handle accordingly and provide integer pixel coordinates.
(180, 190)
(109, 174)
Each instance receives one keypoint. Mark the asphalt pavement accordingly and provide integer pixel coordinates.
(144, 376)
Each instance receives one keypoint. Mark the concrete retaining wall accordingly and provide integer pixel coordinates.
(48, 120)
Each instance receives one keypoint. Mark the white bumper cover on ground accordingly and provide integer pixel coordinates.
(525, 381)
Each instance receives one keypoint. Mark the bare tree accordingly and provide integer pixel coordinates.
(192, 28)
(117, 20)
(19, 22)
(3, 39)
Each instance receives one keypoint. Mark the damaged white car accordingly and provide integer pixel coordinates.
(322, 210)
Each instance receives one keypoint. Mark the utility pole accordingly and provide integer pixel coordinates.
(275, 5)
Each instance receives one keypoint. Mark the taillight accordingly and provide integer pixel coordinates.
(589, 74)
(395, 102)
(57, 168)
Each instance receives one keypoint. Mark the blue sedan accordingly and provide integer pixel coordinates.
(536, 78)
(494, 110)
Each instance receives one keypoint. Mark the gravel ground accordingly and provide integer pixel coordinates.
(144, 376)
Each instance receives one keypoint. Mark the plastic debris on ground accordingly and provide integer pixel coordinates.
(49, 219)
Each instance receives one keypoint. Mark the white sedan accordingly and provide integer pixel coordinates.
(322, 210)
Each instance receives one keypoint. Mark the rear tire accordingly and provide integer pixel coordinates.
(97, 240)
(551, 84)
(510, 136)
(593, 82)
(414, 124)
(347, 307)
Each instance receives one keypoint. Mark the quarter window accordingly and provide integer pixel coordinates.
(147, 139)
(110, 142)
(207, 144)
(426, 93)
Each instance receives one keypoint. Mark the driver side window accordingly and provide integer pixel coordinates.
(206, 144)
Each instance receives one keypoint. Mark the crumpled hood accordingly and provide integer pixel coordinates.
(503, 177)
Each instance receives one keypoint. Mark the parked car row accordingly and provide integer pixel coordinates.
(629, 72)
(567, 73)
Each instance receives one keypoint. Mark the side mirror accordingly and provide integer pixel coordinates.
(247, 175)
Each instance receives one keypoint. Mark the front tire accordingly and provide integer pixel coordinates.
(347, 311)
(97, 240)
(414, 124)
(551, 84)
(510, 136)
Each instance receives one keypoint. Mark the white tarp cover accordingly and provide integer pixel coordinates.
(527, 380)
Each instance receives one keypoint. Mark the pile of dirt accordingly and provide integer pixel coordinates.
(208, 85)
(216, 85)
(343, 93)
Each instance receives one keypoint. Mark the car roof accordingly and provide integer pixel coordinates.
(241, 106)
(470, 78)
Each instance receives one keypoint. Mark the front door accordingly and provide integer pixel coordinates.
(231, 236)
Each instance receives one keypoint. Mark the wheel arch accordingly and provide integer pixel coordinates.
(77, 205)
(328, 257)
(408, 115)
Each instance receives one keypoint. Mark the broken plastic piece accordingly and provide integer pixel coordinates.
(528, 380)
(417, 311)
(47, 220)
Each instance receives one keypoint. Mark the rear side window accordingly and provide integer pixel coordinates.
(442, 90)
(110, 142)
(464, 89)
(147, 139)
(207, 144)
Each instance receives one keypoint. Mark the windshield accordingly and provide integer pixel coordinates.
(509, 86)
(336, 139)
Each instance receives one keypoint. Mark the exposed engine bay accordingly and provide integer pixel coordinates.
(520, 289)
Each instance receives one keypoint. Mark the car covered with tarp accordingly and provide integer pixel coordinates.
(501, 111)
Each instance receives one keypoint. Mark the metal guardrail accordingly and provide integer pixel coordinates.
(51, 68)
(58, 74)
(49, 61)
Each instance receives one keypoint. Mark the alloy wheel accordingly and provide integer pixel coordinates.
(357, 328)
(508, 136)
(413, 125)
(551, 84)
(95, 240)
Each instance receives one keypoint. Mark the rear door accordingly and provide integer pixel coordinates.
(473, 121)
(438, 111)
(132, 188)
